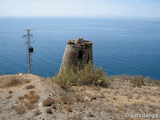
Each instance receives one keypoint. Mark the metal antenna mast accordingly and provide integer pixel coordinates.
(29, 50)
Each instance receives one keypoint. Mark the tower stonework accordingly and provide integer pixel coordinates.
(77, 52)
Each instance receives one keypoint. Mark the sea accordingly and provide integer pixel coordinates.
(120, 45)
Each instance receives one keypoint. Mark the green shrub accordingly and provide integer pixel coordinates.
(137, 81)
(88, 75)
(124, 77)
(150, 81)
(156, 83)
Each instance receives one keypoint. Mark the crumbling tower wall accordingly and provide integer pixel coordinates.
(77, 52)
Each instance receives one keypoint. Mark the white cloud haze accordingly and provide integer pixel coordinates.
(90, 8)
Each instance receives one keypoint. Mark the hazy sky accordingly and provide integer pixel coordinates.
(78, 8)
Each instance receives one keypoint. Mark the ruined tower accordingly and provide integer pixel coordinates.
(77, 52)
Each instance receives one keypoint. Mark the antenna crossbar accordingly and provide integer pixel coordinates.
(29, 50)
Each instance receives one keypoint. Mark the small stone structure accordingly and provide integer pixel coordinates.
(77, 52)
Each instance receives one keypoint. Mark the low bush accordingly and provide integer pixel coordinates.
(48, 102)
(30, 87)
(32, 92)
(21, 98)
(14, 81)
(69, 109)
(19, 109)
(156, 83)
(37, 112)
(49, 111)
(26, 96)
(54, 107)
(149, 81)
(34, 98)
(137, 81)
(30, 106)
(88, 75)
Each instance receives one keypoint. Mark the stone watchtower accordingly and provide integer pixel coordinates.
(77, 52)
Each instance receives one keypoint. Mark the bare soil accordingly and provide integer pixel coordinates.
(30, 97)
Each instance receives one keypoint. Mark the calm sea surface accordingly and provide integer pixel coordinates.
(120, 45)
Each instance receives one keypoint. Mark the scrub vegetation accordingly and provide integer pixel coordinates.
(76, 76)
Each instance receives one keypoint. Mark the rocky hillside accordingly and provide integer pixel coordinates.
(30, 97)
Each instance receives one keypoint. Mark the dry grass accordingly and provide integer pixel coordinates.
(32, 92)
(138, 97)
(139, 81)
(27, 81)
(130, 96)
(21, 98)
(37, 112)
(48, 102)
(19, 109)
(26, 96)
(30, 87)
(88, 75)
(122, 109)
(76, 96)
(150, 82)
(12, 80)
(64, 99)
(69, 109)
(27, 102)
(49, 111)
(54, 107)
(34, 98)
(31, 106)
